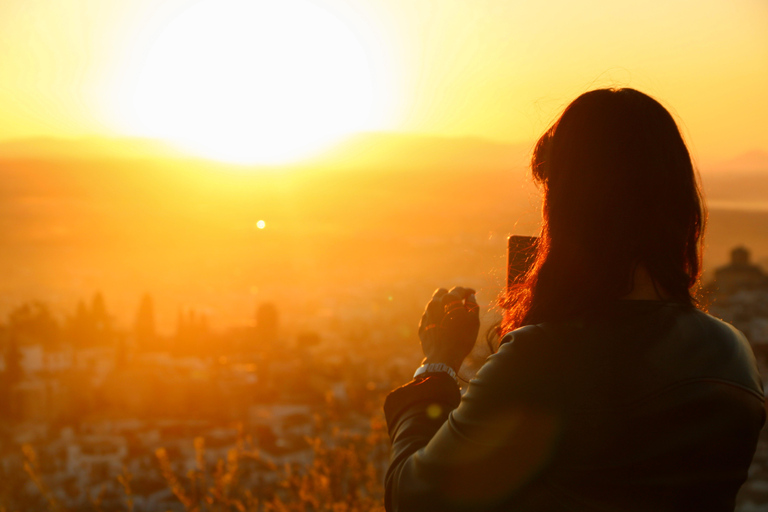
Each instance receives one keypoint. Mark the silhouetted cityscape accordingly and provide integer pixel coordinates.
(96, 416)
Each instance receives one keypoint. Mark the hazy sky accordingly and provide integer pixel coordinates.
(487, 68)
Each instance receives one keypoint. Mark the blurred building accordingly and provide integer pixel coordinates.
(740, 274)
(739, 295)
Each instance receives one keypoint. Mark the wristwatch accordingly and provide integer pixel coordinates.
(436, 368)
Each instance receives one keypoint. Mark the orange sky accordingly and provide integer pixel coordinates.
(493, 69)
(271, 80)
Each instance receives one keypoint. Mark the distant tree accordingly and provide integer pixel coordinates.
(91, 327)
(182, 334)
(192, 333)
(144, 327)
(78, 326)
(267, 323)
(33, 322)
(99, 316)
(13, 373)
(202, 324)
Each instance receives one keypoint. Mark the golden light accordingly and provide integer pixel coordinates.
(266, 81)
(261, 224)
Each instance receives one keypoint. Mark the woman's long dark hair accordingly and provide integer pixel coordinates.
(619, 190)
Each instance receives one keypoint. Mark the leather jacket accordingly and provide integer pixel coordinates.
(648, 405)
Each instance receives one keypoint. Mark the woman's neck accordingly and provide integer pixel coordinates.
(643, 287)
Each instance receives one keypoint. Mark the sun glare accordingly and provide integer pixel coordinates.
(254, 82)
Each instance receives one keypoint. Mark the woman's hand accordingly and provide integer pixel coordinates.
(449, 326)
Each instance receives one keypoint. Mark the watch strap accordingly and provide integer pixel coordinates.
(435, 368)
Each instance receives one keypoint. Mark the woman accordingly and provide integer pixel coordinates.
(610, 389)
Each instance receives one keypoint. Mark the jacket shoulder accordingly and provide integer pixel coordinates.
(727, 349)
(525, 368)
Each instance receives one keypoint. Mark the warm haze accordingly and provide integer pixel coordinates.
(347, 126)
(220, 220)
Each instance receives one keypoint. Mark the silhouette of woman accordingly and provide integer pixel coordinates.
(611, 389)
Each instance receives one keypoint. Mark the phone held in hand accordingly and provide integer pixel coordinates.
(521, 252)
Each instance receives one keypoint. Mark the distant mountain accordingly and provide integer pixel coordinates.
(371, 150)
(366, 150)
(740, 183)
(411, 151)
(751, 161)
(87, 148)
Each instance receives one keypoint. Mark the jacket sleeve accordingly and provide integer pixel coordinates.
(477, 451)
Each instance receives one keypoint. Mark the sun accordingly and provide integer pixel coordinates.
(246, 81)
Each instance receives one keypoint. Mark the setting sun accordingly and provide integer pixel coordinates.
(253, 82)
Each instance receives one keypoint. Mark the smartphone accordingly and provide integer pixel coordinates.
(521, 252)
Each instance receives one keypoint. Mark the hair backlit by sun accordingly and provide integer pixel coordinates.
(253, 82)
